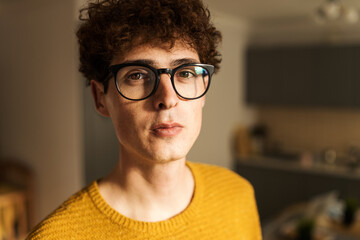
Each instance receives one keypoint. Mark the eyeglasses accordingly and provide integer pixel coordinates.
(137, 81)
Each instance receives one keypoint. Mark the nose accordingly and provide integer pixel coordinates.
(165, 96)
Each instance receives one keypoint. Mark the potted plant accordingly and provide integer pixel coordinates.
(350, 207)
(305, 229)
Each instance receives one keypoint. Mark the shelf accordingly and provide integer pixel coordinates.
(296, 166)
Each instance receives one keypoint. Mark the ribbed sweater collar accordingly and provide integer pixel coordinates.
(168, 225)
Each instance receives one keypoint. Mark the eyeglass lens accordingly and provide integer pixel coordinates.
(138, 82)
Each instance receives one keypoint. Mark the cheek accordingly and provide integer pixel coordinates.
(196, 118)
(199, 109)
(123, 117)
(126, 119)
(130, 129)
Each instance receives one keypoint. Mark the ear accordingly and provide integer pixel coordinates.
(97, 90)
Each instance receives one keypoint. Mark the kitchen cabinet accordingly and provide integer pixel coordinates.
(281, 183)
(303, 75)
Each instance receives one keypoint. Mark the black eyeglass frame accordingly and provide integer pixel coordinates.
(209, 68)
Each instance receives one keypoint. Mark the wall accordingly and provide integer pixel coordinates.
(301, 30)
(40, 96)
(312, 129)
(225, 107)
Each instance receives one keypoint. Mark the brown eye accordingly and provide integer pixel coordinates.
(137, 76)
(186, 74)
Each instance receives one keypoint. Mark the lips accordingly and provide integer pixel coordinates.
(167, 129)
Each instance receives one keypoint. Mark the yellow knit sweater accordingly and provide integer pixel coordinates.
(223, 207)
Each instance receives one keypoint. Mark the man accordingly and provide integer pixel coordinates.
(149, 64)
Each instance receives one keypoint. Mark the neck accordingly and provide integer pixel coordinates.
(148, 191)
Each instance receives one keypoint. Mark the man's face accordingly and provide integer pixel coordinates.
(163, 127)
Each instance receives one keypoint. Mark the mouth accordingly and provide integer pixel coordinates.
(167, 129)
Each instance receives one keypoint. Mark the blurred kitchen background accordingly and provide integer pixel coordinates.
(284, 111)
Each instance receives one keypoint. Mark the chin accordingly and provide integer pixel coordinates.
(166, 157)
(167, 151)
(162, 161)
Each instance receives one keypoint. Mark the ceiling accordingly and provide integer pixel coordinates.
(274, 21)
(260, 10)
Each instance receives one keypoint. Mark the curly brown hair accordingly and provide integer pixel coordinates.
(113, 27)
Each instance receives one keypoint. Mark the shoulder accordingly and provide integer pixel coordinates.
(217, 173)
(64, 218)
(227, 196)
(220, 178)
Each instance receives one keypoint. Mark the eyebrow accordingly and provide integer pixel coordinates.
(182, 61)
(174, 63)
(140, 61)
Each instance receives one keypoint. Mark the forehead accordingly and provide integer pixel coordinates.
(159, 55)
